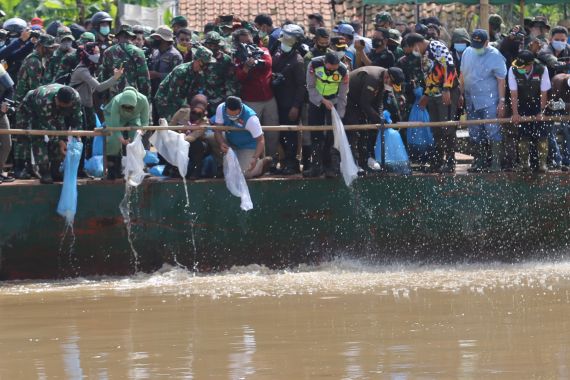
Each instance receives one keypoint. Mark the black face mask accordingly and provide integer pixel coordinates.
(155, 44)
(312, 29)
(432, 36)
(195, 116)
(376, 43)
(322, 48)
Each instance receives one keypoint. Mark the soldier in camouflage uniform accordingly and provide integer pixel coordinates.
(29, 78)
(219, 80)
(176, 88)
(32, 70)
(64, 59)
(131, 58)
(48, 108)
(101, 23)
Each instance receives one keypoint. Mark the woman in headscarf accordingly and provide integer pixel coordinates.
(127, 109)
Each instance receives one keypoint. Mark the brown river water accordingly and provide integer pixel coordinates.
(339, 320)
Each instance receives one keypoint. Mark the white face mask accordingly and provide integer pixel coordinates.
(65, 45)
(559, 45)
(94, 58)
(286, 48)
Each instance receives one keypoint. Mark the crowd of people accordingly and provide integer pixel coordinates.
(251, 73)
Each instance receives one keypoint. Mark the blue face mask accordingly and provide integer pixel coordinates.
(105, 30)
(460, 48)
(559, 45)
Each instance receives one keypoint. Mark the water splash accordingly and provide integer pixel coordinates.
(125, 208)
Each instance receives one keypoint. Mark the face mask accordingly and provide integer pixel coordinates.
(376, 43)
(104, 30)
(416, 53)
(522, 71)
(65, 45)
(155, 44)
(340, 54)
(432, 36)
(183, 49)
(233, 118)
(312, 29)
(262, 34)
(559, 45)
(286, 48)
(479, 51)
(460, 48)
(322, 48)
(94, 58)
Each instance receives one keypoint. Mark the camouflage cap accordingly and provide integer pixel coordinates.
(126, 29)
(383, 17)
(213, 38)
(86, 37)
(179, 20)
(46, 40)
(204, 54)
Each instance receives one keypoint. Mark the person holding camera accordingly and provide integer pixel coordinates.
(380, 55)
(289, 87)
(254, 73)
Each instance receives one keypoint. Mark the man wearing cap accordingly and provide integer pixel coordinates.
(441, 95)
(36, 21)
(178, 23)
(380, 54)
(529, 84)
(163, 60)
(411, 65)
(32, 70)
(539, 28)
(51, 107)
(482, 86)
(327, 84)
(495, 25)
(131, 58)
(394, 42)
(365, 106)
(64, 59)
(249, 146)
(347, 32)
(101, 25)
(219, 80)
(178, 85)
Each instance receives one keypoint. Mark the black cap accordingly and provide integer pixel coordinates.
(322, 32)
(397, 75)
(316, 16)
(524, 58)
(65, 94)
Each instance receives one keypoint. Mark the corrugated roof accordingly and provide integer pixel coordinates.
(200, 12)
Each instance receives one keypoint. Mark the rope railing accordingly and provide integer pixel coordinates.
(293, 128)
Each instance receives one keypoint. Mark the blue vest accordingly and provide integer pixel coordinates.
(240, 140)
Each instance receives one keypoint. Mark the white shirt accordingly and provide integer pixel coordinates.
(544, 81)
(253, 125)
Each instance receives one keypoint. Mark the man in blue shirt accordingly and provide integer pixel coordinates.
(248, 145)
(482, 86)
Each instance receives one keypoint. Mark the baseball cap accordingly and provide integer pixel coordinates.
(478, 38)
(346, 29)
(524, 58)
(397, 75)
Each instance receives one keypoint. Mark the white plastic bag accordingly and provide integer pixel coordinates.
(235, 181)
(173, 147)
(134, 162)
(348, 167)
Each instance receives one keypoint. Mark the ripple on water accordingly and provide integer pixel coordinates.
(340, 276)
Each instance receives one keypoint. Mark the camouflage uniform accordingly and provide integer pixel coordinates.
(32, 70)
(132, 59)
(175, 89)
(55, 67)
(219, 80)
(38, 111)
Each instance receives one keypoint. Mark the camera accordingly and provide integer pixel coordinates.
(246, 51)
(277, 79)
(34, 34)
(12, 106)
